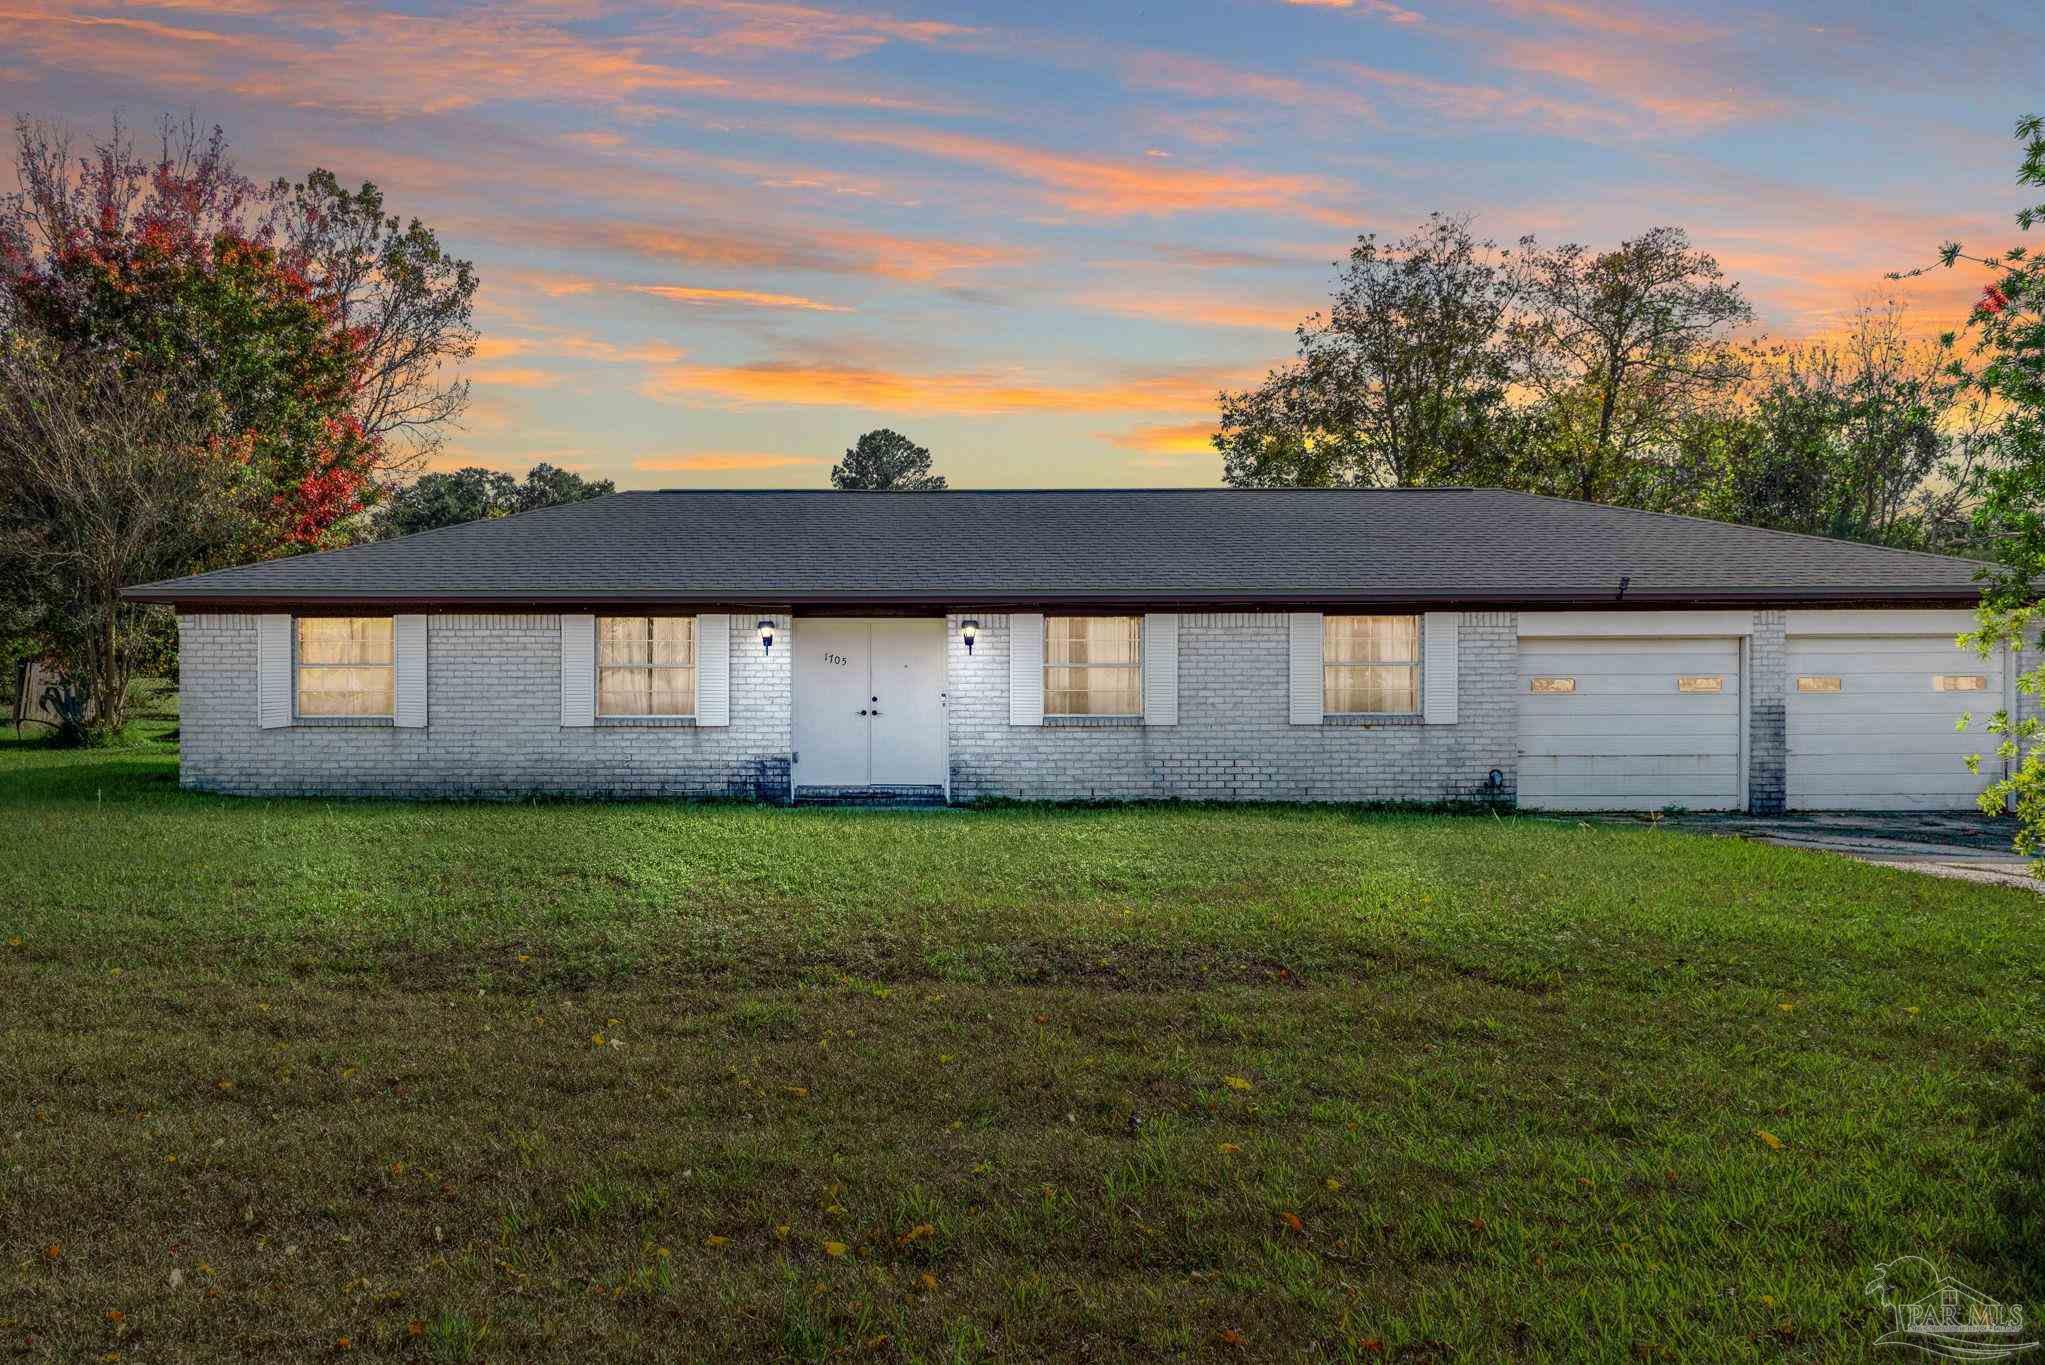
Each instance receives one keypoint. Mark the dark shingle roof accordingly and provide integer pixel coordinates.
(1473, 545)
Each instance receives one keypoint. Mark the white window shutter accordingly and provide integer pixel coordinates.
(578, 670)
(1161, 668)
(408, 661)
(713, 670)
(1438, 666)
(273, 670)
(1306, 683)
(1026, 668)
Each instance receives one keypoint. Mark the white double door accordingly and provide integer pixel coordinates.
(869, 702)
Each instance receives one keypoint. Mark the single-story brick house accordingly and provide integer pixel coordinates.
(1304, 645)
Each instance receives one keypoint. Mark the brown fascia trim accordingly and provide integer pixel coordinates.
(848, 604)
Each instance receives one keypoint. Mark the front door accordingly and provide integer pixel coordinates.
(869, 702)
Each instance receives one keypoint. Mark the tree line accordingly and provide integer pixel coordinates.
(1619, 377)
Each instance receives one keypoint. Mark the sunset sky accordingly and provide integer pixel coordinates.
(718, 241)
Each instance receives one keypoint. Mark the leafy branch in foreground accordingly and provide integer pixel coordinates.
(2008, 326)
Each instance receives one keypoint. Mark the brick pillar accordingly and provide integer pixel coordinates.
(1767, 713)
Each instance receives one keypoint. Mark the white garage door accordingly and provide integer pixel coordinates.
(1872, 722)
(1629, 724)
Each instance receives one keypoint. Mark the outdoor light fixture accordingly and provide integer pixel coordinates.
(766, 637)
(969, 631)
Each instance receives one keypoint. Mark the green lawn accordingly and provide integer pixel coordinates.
(572, 1082)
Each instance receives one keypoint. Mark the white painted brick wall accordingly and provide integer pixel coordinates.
(1233, 741)
(494, 724)
(494, 690)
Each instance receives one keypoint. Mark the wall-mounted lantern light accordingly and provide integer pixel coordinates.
(969, 631)
(766, 637)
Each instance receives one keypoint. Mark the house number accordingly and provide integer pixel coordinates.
(838, 659)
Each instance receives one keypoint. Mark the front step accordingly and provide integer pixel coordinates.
(870, 796)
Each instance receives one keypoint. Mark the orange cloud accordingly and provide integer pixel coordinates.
(1110, 188)
(1180, 438)
(1384, 9)
(1678, 87)
(1194, 311)
(751, 298)
(822, 384)
(917, 260)
(387, 63)
(1199, 78)
(1465, 102)
(718, 461)
(1615, 18)
(513, 377)
(577, 344)
(833, 35)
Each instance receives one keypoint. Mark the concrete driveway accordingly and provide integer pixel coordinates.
(1946, 844)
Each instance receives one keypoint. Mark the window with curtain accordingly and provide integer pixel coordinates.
(1093, 665)
(343, 666)
(646, 666)
(1370, 665)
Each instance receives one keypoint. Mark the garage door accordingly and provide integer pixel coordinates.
(1872, 722)
(1629, 724)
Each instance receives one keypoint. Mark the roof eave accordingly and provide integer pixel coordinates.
(1940, 595)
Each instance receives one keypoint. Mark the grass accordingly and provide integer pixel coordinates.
(571, 1082)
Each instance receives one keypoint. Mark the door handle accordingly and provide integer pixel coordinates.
(862, 713)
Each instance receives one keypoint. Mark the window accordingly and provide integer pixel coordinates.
(344, 666)
(1809, 683)
(646, 666)
(1710, 682)
(1551, 686)
(1370, 665)
(1093, 665)
(1959, 682)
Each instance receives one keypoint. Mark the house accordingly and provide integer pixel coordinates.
(1293, 645)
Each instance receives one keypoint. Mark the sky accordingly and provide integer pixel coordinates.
(717, 241)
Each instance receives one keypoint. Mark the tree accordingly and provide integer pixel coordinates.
(157, 266)
(1404, 381)
(1620, 348)
(1843, 438)
(2008, 325)
(322, 327)
(113, 476)
(475, 494)
(886, 461)
(407, 303)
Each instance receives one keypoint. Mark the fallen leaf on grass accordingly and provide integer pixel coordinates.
(916, 1234)
(1229, 1336)
(799, 1091)
(927, 1280)
(713, 1240)
(1291, 1220)
(1774, 1142)
(1230, 1147)
(415, 1328)
(835, 1248)
(1236, 1082)
(1334, 1184)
